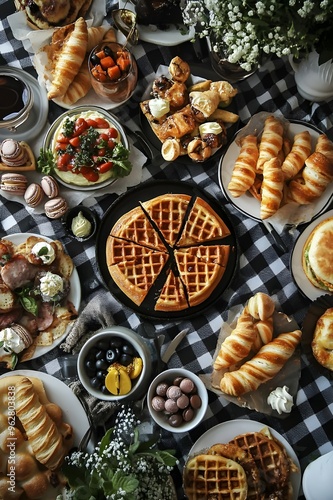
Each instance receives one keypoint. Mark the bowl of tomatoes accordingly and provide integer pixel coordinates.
(113, 71)
(85, 148)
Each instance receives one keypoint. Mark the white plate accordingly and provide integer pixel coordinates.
(296, 268)
(246, 203)
(171, 36)
(74, 294)
(224, 432)
(58, 392)
(38, 114)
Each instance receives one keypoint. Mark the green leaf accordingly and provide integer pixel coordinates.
(120, 481)
(29, 304)
(46, 162)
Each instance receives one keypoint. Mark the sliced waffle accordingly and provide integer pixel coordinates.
(217, 254)
(135, 226)
(271, 459)
(203, 224)
(172, 296)
(245, 459)
(135, 277)
(214, 477)
(119, 250)
(199, 276)
(168, 212)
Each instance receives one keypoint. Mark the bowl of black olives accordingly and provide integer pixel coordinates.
(115, 364)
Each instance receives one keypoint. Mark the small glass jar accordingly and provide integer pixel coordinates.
(103, 72)
(16, 101)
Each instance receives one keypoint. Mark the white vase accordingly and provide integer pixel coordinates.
(314, 82)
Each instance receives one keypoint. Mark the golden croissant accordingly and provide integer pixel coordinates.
(244, 170)
(300, 151)
(263, 366)
(325, 147)
(264, 333)
(79, 87)
(261, 306)
(271, 188)
(238, 344)
(271, 141)
(70, 57)
(316, 175)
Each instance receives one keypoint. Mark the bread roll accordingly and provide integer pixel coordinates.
(69, 58)
(261, 306)
(263, 366)
(271, 141)
(204, 103)
(238, 344)
(316, 175)
(244, 170)
(300, 151)
(271, 188)
(325, 147)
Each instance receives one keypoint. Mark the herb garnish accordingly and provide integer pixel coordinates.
(26, 299)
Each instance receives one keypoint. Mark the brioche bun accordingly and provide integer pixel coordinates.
(46, 14)
(316, 256)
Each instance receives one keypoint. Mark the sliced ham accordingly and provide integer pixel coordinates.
(18, 272)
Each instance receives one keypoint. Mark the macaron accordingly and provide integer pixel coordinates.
(13, 154)
(33, 195)
(56, 207)
(50, 186)
(14, 183)
(23, 333)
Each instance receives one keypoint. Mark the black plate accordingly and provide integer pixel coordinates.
(201, 71)
(131, 199)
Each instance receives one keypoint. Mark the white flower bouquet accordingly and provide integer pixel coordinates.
(245, 30)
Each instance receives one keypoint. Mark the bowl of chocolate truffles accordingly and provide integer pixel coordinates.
(177, 400)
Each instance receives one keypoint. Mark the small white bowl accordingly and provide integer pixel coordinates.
(169, 376)
(140, 384)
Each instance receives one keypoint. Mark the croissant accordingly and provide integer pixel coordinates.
(79, 87)
(204, 103)
(261, 306)
(300, 151)
(316, 175)
(325, 147)
(69, 58)
(45, 439)
(244, 170)
(271, 188)
(95, 36)
(263, 366)
(264, 333)
(238, 344)
(271, 141)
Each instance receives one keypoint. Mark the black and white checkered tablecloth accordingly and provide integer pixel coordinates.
(262, 267)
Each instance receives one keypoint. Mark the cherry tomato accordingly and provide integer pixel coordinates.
(102, 123)
(101, 152)
(91, 122)
(103, 137)
(113, 133)
(89, 174)
(75, 142)
(105, 167)
(63, 161)
(111, 144)
(60, 146)
(62, 139)
(80, 126)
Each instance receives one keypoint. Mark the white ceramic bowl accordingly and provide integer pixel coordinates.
(169, 376)
(143, 349)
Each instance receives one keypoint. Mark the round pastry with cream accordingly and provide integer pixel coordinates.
(85, 148)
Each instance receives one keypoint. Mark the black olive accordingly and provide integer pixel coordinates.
(101, 374)
(94, 59)
(101, 364)
(102, 344)
(92, 353)
(90, 367)
(116, 342)
(125, 359)
(105, 390)
(95, 382)
(129, 349)
(107, 51)
(112, 355)
(100, 355)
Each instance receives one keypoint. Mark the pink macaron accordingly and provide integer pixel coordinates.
(14, 183)
(56, 208)
(33, 195)
(50, 186)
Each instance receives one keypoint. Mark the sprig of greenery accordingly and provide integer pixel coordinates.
(46, 162)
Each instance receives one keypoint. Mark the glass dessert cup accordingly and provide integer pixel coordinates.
(119, 89)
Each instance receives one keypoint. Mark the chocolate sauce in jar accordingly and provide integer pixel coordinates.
(14, 97)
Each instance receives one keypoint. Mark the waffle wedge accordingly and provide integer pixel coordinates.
(271, 459)
(168, 212)
(119, 250)
(203, 224)
(213, 477)
(199, 276)
(135, 226)
(172, 296)
(135, 277)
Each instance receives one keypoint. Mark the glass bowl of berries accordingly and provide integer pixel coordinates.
(113, 71)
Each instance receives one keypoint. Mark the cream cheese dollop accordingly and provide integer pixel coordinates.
(159, 107)
(81, 227)
(210, 128)
(11, 342)
(280, 400)
(51, 284)
(44, 251)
